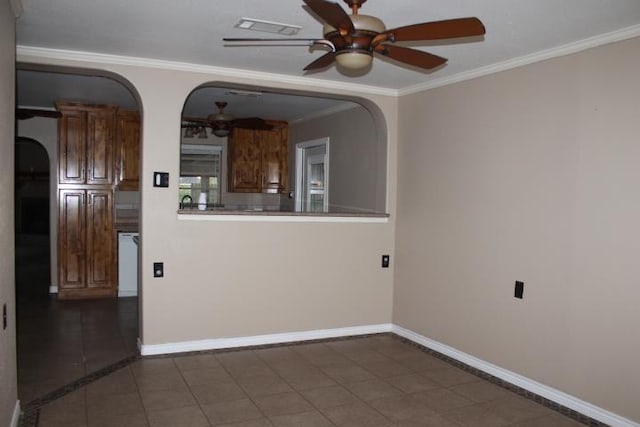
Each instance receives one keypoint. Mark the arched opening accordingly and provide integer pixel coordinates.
(32, 230)
(65, 339)
(256, 140)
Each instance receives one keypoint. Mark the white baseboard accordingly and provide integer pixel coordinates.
(220, 343)
(16, 415)
(53, 289)
(550, 393)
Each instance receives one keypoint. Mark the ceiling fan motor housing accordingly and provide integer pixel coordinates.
(354, 50)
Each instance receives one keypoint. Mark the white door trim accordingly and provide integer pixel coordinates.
(300, 148)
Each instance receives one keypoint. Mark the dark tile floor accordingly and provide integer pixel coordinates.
(369, 381)
(62, 341)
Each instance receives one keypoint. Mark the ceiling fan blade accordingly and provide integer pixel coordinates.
(414, 57)
(196, 121)
(322, 62)
(332, 13)
(253, 41)
(28, 113)
(449, 29)
(252, 123)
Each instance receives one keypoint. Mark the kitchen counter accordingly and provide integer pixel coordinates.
(274, 211)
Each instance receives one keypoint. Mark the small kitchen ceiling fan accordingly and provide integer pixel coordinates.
(29, 113)
(353, 39)
(221, 123)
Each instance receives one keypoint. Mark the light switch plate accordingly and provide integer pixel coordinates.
(161, 179)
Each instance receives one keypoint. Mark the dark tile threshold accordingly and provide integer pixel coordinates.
(31, 411)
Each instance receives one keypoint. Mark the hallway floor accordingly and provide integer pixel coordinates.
(379, 380)
(62, 341)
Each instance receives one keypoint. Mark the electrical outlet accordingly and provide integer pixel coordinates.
(385, 261)
(158, 269)
(519, 289)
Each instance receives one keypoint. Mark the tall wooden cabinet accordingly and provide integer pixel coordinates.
(86, 136)
(258, 159)
(94, 159)
(86, 244)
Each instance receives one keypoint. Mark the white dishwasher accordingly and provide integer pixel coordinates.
(127, 265)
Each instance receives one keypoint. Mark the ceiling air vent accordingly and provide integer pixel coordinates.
(267, 26)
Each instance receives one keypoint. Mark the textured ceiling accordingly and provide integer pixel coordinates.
(191, 31)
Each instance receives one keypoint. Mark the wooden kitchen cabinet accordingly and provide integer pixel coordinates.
(258, 159)
(86, 243)
(86, 144)
(127, 170)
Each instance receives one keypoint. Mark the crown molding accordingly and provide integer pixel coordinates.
(567, 49)
(29, 54)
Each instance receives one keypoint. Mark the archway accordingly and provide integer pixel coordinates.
(81, 336)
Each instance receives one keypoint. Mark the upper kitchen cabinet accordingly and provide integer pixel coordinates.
(127, 170)
(86, 141)
(258, 159)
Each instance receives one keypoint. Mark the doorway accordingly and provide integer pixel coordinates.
(61, 342)
(32, 231)
(312, 176)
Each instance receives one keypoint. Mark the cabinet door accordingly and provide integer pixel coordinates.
(100, 242)
(71, 240)
(72, 146)
(100, 143)
(244, 162)
(128, 150)
(274, 147)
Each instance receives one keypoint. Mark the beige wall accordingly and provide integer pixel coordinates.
(236, 279)
(8, 389)
(357, 150)
(530, 174)
(45, 131)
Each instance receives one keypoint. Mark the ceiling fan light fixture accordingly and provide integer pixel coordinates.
(189, 133)
(354, 59)
(202, 134)
(221, 132)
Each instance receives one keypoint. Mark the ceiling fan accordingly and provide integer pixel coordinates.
(353, 39)
(221, 123)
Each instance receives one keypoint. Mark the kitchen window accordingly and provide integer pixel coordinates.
(200, 172)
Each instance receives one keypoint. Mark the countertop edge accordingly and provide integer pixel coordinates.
(282, 213)
(276, 216)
